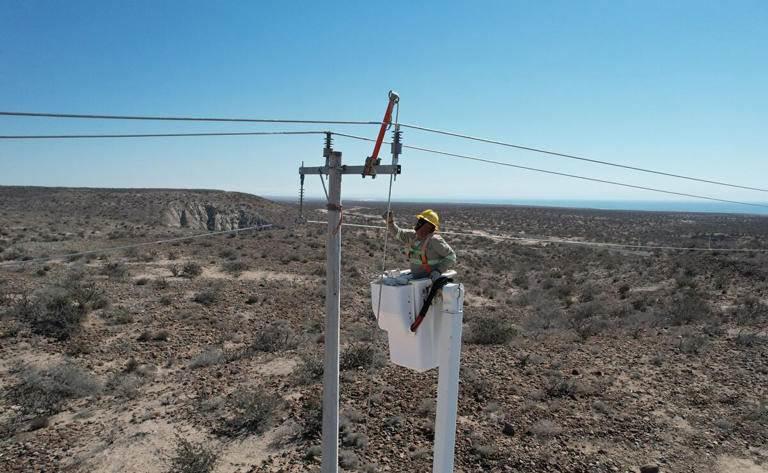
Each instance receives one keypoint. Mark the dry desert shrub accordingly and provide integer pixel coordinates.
(228, 254)
(191, 270)
(151, 336)
(115, 270)
(750, 311)
(117, 316)
(315, 451)
(250, 412)
(235, 267)
(586, 320)
(361, 356)
(559, 386)
(310, 368)
(348, 459)
(473, 383)
(192, 457)
(208, 296)
(490, 331)
(693, 343)
(750, 339)
(545, 428)
(208, 357)
(44, 390)
(160, 283)
(277, 336)
(689, 307)
(57, 311)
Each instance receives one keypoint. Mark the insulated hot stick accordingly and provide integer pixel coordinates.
(373, 160)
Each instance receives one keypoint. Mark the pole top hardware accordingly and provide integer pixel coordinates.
(372, 161)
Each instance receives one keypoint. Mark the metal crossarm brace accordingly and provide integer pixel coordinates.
(382, 169)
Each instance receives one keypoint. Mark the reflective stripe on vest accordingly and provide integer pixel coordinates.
(422, 255)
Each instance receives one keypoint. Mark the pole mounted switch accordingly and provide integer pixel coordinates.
(373, 160)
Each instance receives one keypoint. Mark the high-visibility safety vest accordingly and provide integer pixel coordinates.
(417, 254)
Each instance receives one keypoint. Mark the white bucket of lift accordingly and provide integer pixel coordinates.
(399, 307)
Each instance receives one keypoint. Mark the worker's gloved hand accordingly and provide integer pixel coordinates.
(434, 275)
(389, 216)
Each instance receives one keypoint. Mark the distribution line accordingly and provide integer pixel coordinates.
(569, 242)
(557, 173)
(343, 122)
(185, 119)
(135, 245)
(351, 122)
(580, 158)
(158, 135)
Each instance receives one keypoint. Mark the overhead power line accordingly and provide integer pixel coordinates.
(158, 135)
(186, 119)
(45, 259)
(561, 241)
(333, 122)
(580, 158)
(557, 173)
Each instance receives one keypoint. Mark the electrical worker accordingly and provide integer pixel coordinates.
(428, 253)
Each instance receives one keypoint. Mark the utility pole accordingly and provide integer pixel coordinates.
(334, 169)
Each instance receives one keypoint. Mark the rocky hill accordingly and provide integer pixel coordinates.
(196, 209)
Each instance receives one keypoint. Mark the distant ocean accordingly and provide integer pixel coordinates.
(641, 205)
(651, 205)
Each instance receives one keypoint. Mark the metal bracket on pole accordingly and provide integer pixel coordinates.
(397, 146)
(325, 190)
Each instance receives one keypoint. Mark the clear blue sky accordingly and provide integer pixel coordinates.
(679, 86)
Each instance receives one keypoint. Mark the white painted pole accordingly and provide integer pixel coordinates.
(330, 458)
(452, 316)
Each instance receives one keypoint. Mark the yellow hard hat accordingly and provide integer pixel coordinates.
(430, 216)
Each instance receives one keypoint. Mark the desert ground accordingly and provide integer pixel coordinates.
(206, 354)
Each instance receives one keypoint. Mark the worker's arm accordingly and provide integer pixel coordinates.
(400, 234)
(446, 256)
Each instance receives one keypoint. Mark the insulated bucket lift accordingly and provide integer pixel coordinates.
(436, 343)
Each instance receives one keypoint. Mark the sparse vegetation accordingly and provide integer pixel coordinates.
(192, 457)
(310, 368)
(191, 270)
(689, 307)
(208, 357)
(208, 296)
(57, 311)
(117, 316)
(115, 270)
(313, 417)
(44, 390)
(361, 356)
(251, 411)
(277, 336)
(151, 336)
(606, 344)
(490, 331)
(545, 428)
(235, 267)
